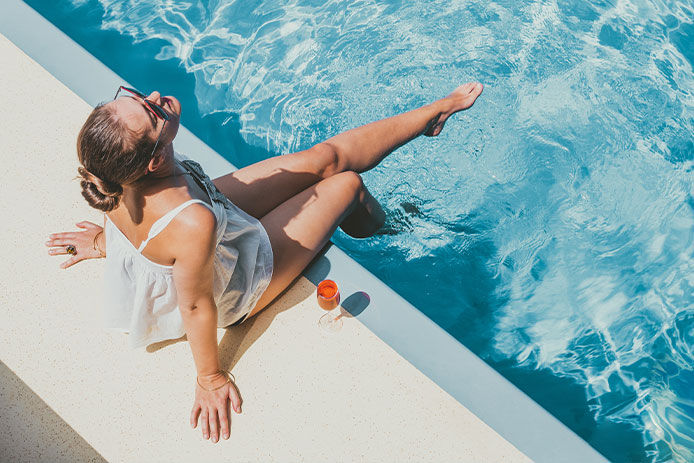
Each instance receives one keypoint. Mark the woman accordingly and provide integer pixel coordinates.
(182, 257)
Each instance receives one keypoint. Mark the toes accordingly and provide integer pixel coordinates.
(468, 88)
(473, 87)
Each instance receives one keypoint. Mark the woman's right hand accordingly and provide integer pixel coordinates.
(83, 241)
(212, 407)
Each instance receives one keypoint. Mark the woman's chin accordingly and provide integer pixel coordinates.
(174, 130)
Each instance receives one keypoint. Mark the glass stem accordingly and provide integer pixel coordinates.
(335, 314)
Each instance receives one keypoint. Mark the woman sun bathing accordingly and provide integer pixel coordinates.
(186, 254)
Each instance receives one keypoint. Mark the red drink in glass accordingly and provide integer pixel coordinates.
(328, 295)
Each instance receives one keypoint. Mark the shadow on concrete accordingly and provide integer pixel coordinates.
(355, 304)
(32, 431)
(237, 340)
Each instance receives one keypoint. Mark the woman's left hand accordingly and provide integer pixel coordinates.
(83, 241)
(212, 407)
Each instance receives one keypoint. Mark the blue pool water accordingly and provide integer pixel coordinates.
(550, 228)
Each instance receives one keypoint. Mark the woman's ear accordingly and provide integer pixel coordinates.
(156, 162)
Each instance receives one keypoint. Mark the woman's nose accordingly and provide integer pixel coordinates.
(155, 97)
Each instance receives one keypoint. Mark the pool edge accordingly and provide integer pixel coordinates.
(404, 328)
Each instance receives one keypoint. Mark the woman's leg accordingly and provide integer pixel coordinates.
(363, 148)
(301, 226)
(261, 187)
(264, 185)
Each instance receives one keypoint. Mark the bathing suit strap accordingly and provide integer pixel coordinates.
(163, 221)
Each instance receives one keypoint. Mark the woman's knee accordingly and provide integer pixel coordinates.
(351, 180)
(326, 160)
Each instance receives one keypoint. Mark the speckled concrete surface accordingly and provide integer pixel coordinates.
(72, 391)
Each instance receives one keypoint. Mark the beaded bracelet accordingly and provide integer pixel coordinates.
(230, 378)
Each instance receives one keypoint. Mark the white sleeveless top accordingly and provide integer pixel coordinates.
(140, 294)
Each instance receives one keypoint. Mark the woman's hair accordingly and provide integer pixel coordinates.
(111, 155)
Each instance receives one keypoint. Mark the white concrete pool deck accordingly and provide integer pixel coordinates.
(70, 391)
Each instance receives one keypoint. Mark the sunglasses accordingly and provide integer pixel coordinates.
(153, 107)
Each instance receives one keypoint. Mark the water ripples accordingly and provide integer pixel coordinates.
(560, 208)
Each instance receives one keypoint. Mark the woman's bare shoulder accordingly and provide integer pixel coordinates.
(196, 219)
(193, 248)
(193, 229)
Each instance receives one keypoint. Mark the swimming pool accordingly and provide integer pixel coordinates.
(549, 228)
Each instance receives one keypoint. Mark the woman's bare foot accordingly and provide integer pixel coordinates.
(460, 99)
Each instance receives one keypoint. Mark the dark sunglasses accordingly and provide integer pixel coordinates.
(151, 105)
(156, 109)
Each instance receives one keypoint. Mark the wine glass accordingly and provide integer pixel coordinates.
(328, 297)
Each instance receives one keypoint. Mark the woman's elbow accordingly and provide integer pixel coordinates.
(197, 307)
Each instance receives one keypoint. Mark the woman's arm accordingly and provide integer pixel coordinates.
(193, 276)
(193, 273)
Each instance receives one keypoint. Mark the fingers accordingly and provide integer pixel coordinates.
(234, 397)
(194, 414)
(204, 421)
(61, 250)
(61, 239)
(65, 238)
(214, 427)
(211, 428)
(86, 224)
(224, 420)
(70, 262)
(59, 247)
(58, 251)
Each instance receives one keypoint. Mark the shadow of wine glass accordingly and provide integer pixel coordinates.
(355, 304)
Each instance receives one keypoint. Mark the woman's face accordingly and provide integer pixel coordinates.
(141, 120)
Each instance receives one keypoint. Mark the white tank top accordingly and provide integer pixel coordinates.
(140, 294)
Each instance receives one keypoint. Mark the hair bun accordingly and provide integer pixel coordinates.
(99, 193)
